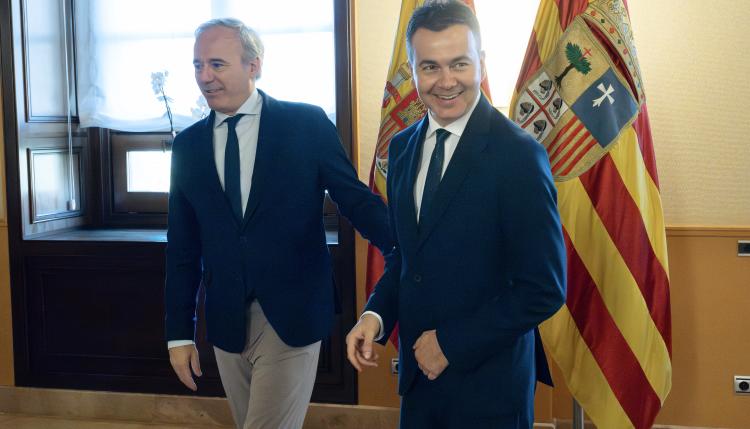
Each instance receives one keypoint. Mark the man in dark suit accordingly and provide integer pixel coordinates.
(245, 217)
(479, 259)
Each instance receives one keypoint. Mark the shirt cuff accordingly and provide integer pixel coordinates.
(380, 320)
(177, 343)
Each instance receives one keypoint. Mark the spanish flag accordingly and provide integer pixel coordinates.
(401, 107)
(581, 95)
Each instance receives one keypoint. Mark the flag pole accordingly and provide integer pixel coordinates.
(577, 415)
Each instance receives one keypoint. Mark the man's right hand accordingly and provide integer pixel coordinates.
(359, 342)
(183, 358)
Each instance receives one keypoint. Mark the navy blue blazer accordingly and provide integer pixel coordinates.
(484, 267)
(278, 253)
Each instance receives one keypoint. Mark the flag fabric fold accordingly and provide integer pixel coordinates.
(581, 95)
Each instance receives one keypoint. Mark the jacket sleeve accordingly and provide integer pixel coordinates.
(384, 299)
(535, 287)
(364, 209)
(183, 256)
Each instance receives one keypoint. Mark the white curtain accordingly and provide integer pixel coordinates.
(120, 43)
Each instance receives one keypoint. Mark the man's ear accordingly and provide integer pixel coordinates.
(256, 65)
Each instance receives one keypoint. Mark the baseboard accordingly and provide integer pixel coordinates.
(568, 424)
(170, 409)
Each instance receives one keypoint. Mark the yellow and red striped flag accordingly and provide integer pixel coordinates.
(580, 94)
(401, 108)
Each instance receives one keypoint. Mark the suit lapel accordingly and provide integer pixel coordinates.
(407, 209)
(470, 146)
(267, 134)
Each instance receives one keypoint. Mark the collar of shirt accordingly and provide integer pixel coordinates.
(456, 127)
(251, 106)
(247, 136)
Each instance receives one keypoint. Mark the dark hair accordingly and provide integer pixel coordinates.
(437, 15)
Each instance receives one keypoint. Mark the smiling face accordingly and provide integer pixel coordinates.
(448, 70)
(223, 78)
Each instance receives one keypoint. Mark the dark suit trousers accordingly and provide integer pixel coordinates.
(433, 405)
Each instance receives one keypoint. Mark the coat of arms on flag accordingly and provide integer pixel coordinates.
(576, 119)
(580, 94)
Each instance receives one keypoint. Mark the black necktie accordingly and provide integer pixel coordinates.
(232, 167)
(434, 171)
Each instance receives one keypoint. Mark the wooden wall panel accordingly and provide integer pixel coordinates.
(92, 318)
(710, 296)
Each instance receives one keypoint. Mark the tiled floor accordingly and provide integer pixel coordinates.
(8, 421)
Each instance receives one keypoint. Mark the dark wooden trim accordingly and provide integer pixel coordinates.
(110, 216)
(345, 263)
(13, 195)
(125, 202)
(343, 73)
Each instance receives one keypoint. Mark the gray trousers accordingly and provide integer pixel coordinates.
(270, 383)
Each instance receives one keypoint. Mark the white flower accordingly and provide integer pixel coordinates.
(158, 79)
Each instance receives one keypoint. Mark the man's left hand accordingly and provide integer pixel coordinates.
(429, 355)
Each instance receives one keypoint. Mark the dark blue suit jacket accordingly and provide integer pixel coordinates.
(484, 267)
(278, 253)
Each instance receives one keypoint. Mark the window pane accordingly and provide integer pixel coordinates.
(148, 170)
(46, 57)
(124, 41)
(506, 28)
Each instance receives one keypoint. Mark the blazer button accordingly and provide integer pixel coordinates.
(243, 239)
(417, 278)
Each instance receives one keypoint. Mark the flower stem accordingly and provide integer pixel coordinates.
(169, 112)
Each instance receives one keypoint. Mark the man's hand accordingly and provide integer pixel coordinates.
(430, 357)
(359, 342)
(183, 358)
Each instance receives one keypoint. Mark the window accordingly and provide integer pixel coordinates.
(125, 41)
(506, 28)
(115, 92)
(156, 163)
(140, 173)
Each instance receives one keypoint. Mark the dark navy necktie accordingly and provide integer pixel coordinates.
(232, 167)
(434, 171)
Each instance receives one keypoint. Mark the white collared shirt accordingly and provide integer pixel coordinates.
(247, 135)
(456, 129)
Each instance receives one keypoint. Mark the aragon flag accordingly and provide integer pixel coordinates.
(581, 95)
(401, 108)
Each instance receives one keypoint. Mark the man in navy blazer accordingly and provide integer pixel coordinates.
(245, 218)
(479, 256)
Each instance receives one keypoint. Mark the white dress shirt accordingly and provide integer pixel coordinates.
(247, 136)
(456, 129)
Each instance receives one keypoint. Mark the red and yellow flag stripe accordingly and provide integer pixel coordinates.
(612, 339)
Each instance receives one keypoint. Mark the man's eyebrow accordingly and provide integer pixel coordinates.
(211, 60)
(427, 62)
(461, 58)
(454, 60)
